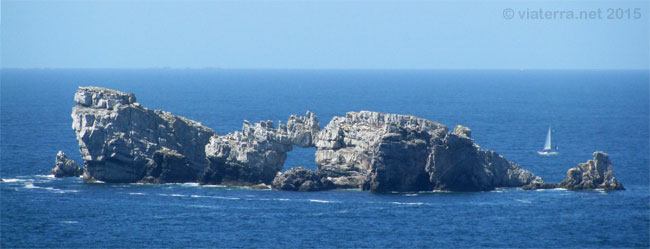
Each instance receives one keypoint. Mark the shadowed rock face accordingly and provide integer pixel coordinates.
(118, 138)
(66, 167)
(257, 153)
(390, 152)
(459, 164)
(169, 166)
(301, 179)
(593, 174)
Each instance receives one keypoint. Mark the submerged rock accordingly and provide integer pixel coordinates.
(390, 152)
(118, 138)
(66, 167)
(593, 174)
(301, 179)
(257, 153)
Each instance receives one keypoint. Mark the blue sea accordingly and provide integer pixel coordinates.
(508, 112)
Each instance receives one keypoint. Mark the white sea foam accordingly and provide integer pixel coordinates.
(322, 201)
(30, 185)
(205, 206)
(45, 176)
(225, 198)
(189, 184)
(281, 199)
(13, 180)
(553, 189)
(523, 201)
(215, 197)
(408, 203)
(69, 222)
(213, 186)
(173, 195)
(411, 195)
(136, 193)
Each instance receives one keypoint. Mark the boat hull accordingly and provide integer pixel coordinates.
(547, 153)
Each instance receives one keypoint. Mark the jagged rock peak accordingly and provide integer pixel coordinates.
(258, 152)
(593, 174)
(104, 98)
(392, 152)
(462, 131)
(379, 119)
(118, 138)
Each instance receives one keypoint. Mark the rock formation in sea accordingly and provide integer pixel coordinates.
(301, 179)
(65, 167)
(390, 152)
(118, 139)
(593, 174)
(257, 153)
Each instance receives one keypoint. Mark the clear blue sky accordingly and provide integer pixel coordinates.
(323, 35)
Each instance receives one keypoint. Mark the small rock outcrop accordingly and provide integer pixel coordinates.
(593, 174)
(257, 153)
(118, 138)
(390, 152)
(66, 167)
(301, 179)
(539, 185)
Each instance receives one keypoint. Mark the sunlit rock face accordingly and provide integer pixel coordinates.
(257, 153)
(118, 137)
(391, 152)
(597, 173)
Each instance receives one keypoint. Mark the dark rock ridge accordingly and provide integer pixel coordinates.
(118, 138)
(257, 153)
(593, 174)
(65, 167)
(168, 166)
(301, 179)
(390, 152)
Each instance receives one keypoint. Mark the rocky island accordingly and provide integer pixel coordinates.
(121, 141)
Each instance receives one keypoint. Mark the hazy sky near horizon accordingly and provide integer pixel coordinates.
(324, 35)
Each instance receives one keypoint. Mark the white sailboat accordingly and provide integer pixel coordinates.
(547, 146)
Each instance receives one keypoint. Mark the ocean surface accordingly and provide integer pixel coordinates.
(508, 112)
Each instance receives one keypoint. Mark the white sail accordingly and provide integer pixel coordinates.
(547, 144)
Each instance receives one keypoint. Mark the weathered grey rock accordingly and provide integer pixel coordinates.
(390, 152)
(169, 166)
(261, 186)
(301, 179)
(120, 141)
(539, 185)
(347, 147)
(458, 164)
(118, 138)
(66, 167)
(593, 174)
(257, 153)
